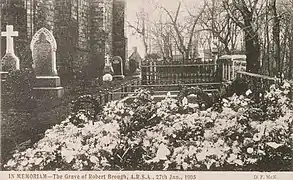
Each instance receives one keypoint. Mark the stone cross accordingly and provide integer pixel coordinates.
(107, 59)
(108, 66)
(9, 34)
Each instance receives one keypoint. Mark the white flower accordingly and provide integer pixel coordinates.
(274, 144)
(225, 101)
(24, 163)
(68, 155)
(213, 115)
(38, 161)
(209, 163)
(220, 142)
(286, 91)
(201, 156)
(249, 150)
(239, 162)
(208, 134)
(131, 113)
(162, 153)
(11, 163)
(185, 166)
(173, 106)
(94, 159)
(194, 106)
(248, 92)
(120, 105)
(261, 152)
(244, 103)
(232, 158)
(257, 137)
(146, 143)
(286, 85)
(184, 101)
(251, 160)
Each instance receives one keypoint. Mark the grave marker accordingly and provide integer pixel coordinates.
(9, 61)
(43, 47)
(117, 67)
(108, 69)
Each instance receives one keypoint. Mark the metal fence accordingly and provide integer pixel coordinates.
(162, 74)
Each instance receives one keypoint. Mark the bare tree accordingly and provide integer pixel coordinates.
(140, 28)
(179, 36)
(286, 36)
(276, 38)
(161, 33)
(218, 22)
(245, 14)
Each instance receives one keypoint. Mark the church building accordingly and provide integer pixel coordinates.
(85, 31)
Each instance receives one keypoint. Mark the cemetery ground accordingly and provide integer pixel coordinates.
(245, 129)
(25, 121)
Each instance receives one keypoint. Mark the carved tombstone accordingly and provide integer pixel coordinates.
(117, 64)
(43, 47)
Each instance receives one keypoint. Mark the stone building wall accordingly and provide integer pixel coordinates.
(108, 26)
(119, 39)
(83, 30)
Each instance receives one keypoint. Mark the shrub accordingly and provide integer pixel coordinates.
(18, 90)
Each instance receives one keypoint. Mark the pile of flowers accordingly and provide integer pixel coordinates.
(140, 134)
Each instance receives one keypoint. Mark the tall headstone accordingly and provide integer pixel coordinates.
(9, 61)
(135, 63)
(117, 64)
(43, 47)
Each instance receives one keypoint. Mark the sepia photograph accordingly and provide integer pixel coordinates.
(176, 86)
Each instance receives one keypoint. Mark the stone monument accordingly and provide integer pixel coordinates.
(135, 63)
(108, 69)
(117, 67)
(43, 47)
(9, 61)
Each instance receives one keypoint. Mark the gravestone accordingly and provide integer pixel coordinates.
(133, 65)
(43, 47)
(43, 58)
(9, 61)
(117, 67)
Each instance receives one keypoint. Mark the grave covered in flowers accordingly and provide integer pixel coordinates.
(240, 132)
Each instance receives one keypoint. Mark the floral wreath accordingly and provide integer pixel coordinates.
(204, 99)
(79, 107)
